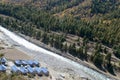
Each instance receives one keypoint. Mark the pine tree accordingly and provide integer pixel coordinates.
(108, 58)
(38, 35)
(65, 47)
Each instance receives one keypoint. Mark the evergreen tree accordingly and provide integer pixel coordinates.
(108, 58)
(38, 35)
(65, 47)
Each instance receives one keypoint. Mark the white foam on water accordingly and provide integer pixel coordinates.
(21, 41)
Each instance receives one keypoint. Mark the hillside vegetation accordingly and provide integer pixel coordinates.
(51, 21)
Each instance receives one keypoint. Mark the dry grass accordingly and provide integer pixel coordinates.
(4, 76)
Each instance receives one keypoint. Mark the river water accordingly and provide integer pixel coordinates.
(55, 61)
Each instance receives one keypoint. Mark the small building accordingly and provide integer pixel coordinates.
(18, 62)
(36, 63)
(38, 71)
(15, 69)
(30, 70)
(3, 60)
(2, 68)
(45, 71)
(24, 62)
(23, 70)
(31, 63)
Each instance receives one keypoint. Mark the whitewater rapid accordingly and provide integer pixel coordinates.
(94, 75)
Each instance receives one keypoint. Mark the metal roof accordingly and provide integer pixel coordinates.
(2, 67)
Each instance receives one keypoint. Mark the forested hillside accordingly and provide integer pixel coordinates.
(50, 21)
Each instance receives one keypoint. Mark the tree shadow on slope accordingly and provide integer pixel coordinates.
(110, 69)
(100, 67)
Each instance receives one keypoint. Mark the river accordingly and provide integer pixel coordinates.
(52, 59)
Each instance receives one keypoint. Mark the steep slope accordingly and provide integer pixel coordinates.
(99, 18)
(70, 26)
(77, 8)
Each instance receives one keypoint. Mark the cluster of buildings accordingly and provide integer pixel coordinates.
(24, 67)
(3, 64)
